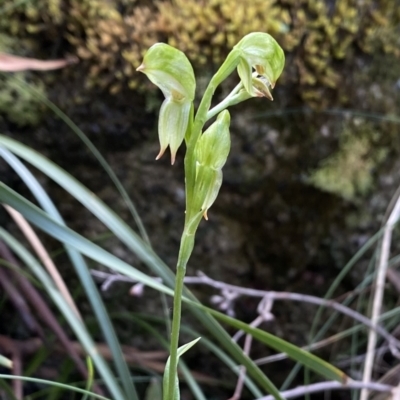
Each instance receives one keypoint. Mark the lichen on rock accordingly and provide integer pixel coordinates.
(348, 172)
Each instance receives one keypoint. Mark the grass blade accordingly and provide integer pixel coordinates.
(37, 217)
(181, 350)
(102, 161)
(74, 322)
(82, 271)
(72, 388)
(309, 360)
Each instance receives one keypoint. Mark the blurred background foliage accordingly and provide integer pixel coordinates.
(112, 36)
(341, 55)
(309, 176)
(327, 44)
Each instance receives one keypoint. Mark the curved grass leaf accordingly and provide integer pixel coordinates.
(71, 238)
(7, 390)
(72, 388)
(82, 271)
(304, 357)
(98, 254)
(189, 379)
(74, 321)
(204, 342)
(92, 148)
(181, 350)
(126, 235)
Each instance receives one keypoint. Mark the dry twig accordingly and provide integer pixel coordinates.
(11, 63)
(229, 293)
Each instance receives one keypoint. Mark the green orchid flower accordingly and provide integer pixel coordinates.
(262, 52)
(259, 62)
(170, 70)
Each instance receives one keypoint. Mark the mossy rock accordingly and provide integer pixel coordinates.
(319, 38)
(349, 171)
(18, 101)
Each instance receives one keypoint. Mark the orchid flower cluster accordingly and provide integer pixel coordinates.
(259, 61)
(170, 70)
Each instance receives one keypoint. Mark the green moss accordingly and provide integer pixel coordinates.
(111, 36)
(17, 104)
(20, 106)
(348, 173)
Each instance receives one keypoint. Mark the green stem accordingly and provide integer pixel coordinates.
(223, 72)
(200, 119)
(224, 103)
(235, 97)
(186, 247)
(192, 221)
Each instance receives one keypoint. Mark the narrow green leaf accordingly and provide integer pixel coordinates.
(154, 331)
(92, 148)
(82, 271)
(95, 252)
(75, 323)
(181, 350)
(313, 362)
(67, 236)
(7, 390)
(90, 379)
(127, 236)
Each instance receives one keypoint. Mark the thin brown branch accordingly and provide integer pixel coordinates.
(25, 347)
(43, 255)
(203, 279)
(264, 311)
(232, 292)
(43, 311)
(11, 63)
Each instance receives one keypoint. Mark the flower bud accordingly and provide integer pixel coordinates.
(212, 148)
(211, 152)
(170, 70)
(262, 52)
